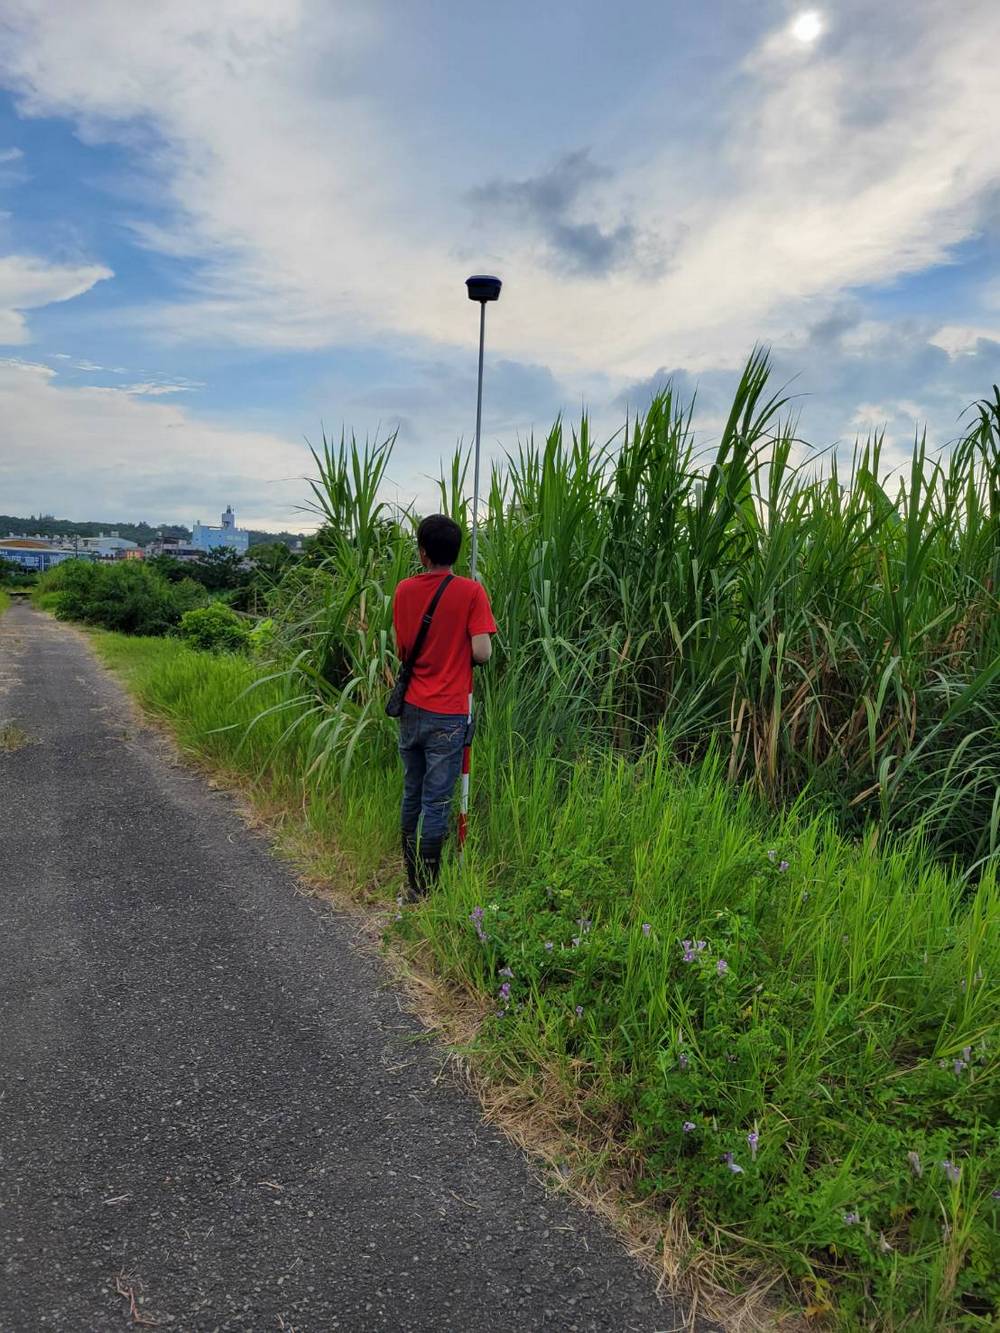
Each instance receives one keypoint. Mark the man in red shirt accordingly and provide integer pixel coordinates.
(436, 709)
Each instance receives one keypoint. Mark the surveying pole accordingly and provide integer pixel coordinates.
(482, 288)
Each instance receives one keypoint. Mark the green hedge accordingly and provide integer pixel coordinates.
(125, 596)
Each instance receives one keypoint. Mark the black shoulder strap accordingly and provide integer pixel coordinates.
(418, 642)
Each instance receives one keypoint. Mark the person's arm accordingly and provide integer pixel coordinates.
(482, 648)
(481, 626)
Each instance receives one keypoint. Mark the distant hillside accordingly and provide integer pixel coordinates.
(143, 533)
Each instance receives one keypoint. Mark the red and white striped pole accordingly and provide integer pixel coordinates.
(482, 288)
(463, 809)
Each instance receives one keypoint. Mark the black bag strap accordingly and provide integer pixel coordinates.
(425, 624)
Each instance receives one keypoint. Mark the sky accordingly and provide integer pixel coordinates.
(229, 225)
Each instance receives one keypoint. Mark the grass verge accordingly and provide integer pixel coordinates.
(771, 1051)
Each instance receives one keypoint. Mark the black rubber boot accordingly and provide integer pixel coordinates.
(429, 864)
(410, 861)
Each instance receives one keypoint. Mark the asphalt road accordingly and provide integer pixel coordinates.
(209, 1097)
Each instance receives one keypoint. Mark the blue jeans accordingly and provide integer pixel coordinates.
(430, 745)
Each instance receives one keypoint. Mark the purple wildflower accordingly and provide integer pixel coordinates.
(584, 924)
(688, 948)
(914, 1160)
(735, 1167)
(476, 917)
(576, 941)
(966, 1053)
(772, 855)
(782, 866)
(646, 927)
(579, 1011)
(953, 1172)
(851, 1219)
(548, 946)
(995, 1194)
(958, 1066)
(753, 1138)
(506, 972)
(689, 1125)
(722, 967)
(682, 1060)
(505, 991)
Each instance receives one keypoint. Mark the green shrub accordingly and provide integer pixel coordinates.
(215, 628)
(123, 596)
(262, 636)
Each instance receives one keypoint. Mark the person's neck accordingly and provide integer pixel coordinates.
(438, 569)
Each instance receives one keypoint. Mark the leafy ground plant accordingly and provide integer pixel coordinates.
(215, 628)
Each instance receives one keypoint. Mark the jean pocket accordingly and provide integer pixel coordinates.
(448, 736)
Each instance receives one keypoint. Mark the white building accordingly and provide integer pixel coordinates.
(229, 535)
(108, 547)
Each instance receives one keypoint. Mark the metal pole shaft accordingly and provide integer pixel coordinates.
(463, 816)
(479, 425)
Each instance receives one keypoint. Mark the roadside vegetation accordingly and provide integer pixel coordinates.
(730, 909)
(213, 602)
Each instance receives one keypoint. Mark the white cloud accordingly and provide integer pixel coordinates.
(964, 339)
(30, 367)
(27, 283)
(91, 453)
(8, 155)
(145, 390)
(315, 215)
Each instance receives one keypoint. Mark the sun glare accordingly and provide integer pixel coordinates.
(807, 26)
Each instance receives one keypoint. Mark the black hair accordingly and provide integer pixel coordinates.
(441, 537)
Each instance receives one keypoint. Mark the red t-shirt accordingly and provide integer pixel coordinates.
(442, 678)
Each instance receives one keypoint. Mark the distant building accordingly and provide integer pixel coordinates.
(108, 547)
(229, 535)
(34, 555)
(177, 550)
